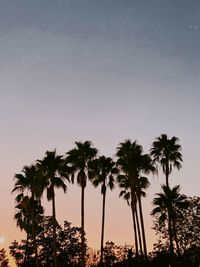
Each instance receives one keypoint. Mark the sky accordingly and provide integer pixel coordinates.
(102, 71)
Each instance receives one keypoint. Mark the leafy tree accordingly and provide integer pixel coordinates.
(4, 262)
(23, 253)
(116, 255)
(102, 171)
(53, 168)
(188, 225)
(78, 159)
(68, 246)
(167, 153)
(187, 228)
(109, 254)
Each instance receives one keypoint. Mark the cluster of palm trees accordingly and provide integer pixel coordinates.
(83, 163)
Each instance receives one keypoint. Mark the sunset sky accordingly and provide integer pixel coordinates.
(103, 71)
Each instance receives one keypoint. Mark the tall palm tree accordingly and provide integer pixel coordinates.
(30, 183)
(132, 164)
(101, 172)
(167, 152)
(78, 159)
(167, 206)
(53, 168)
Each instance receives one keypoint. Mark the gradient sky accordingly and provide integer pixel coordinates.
(103, 71)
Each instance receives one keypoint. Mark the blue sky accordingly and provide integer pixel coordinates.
(100, 71)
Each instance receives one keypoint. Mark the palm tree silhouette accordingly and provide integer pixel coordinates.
(78, 159)
(101, 172)
(26, 208)
(53, 168)
(167, 153)
(29, 181)
(23, 218)
(132, 164)
(141, 185)
(130, 196)
(167, 206)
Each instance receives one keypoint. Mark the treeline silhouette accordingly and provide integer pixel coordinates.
(176, 216)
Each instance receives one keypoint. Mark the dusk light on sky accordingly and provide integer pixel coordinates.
(103, 71)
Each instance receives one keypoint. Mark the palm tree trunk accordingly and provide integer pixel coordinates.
(35, 242)
(134, 222)
(142, 226)
(171, 246)
(82, 228)
(26, 249)
(167, 173)
(176, 238)
(102, 230)
(138, 228)
(135, 233)
(54, 230)
(34, 233)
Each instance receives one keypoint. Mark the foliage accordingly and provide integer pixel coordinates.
(3, 258)
(114, 254)
(167, 152)
(68, 246)
(53, 169)
(26, 209)
(187, 227)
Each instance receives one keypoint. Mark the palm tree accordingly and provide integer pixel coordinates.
(53, 168)
(141, 185)
(22, 217)
(26, 208)
(167, 152)
(78, 159)
(167, 206)
(29, 182)
(102, 171)
(132, 164)
(130, 196)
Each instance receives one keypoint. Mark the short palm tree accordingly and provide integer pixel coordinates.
(23, 218)
(132, 164)
(29, 184)
(102, 172)
(167, 206)
(78, 159)
(167, 152)
(53, 168)
(26, 208)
